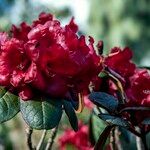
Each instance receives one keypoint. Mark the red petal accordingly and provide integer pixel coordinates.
(25, 93)
(16, 78)
(31, 73)
(72, 25)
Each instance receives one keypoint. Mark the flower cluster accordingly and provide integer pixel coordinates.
(80, 139)
(120, 61)
(138, 91)
(47, 59)
(135, 82)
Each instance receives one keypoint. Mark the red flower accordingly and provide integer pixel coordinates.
(120, 61)
(12, 62)
(3, 38)
(22, 32)
(138, 92)
(47, 59)
(77, 139)
(64, 59)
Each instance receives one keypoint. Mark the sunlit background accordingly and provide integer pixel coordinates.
(116, 22)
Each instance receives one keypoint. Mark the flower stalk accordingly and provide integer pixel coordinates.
(41, 140)
(29, 132)
(51, 139)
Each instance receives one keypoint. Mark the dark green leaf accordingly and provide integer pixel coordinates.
(9, 105)
(102, 138)
(71, 114)
(91, 133)
(114, 120)
(125, 135)
(96, 127)
(146, 121)
(104, 100)
(102, 74)
(40, 114)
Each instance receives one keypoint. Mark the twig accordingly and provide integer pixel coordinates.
(134, 132)
(114, 76)
(117, 140)
(143, 138)
(29, 132)
(51, 139)
(112, 140)
(41, 140)
(141, 141)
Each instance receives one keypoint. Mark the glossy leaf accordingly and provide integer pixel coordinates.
(9, 105)
(104, 100)
(114, 120)
(42, 114)
(102, 138)
(96, 127)
(71, 114)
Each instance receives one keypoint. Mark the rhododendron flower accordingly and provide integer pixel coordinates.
(138, 92)
(12, 62)
(3, 38)
(47, 59)
(78, 139)
(120, 61)
(21, 32)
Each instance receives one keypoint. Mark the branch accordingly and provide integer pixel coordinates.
(51, 139)
(117, 139)
(29, 132)
(143, 138)
(134, 132)
(41, 140)
(141, 141)
(112, 140)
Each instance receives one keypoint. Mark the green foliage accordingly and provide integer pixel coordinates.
(96, 127)
(71, 114)
(114, 120)
(102, 74)
(41, 114)
(122, 23)
(9, 105)
(102, 138)
(127, 139)
(104, 100)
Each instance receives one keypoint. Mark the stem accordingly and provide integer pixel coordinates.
(112, 140)
(51, 139)
(117, 140)
(114, 76)
(141, 142)
(41, 140)
(144, 141)
(29, 132)
(134, 132)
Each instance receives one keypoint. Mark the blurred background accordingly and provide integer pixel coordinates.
(116, 22)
